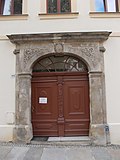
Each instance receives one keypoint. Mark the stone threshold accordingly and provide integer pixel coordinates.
(65, 141)
(69, 139)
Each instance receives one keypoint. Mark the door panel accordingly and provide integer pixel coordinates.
(76, 107)
(45, 113)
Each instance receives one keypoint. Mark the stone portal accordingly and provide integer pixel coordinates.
(88, 46)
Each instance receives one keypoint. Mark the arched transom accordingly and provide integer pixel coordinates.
(64, 63)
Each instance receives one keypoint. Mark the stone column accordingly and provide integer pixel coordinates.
(23, 127)
(98, 126)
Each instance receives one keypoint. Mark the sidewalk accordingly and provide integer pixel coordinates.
(48, 151)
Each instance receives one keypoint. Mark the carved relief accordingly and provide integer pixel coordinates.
(87, 50)
(31, 52)
(43, 93)
(58, 47)
(60, 96)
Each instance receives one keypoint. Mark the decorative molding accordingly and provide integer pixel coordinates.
(59, 48)
(89, 52)
(29, 53)
(67, 36)
(60, 96)
(34, 52)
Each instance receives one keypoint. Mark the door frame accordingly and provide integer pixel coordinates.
(88, 46)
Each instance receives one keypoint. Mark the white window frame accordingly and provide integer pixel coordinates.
(93, 7)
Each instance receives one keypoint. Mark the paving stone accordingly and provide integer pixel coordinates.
(67, 154)
(58, 152)
(54, 154)
(4, 150)
(101, 154)
(115, 153)
(17, 153)
(79, 154)
(34, 154)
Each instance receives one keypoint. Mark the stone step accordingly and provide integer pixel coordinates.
(67, 141)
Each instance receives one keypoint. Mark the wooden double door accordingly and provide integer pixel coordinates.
(60, 104)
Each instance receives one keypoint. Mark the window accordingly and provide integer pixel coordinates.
(9, 7)
(64, 63)
(58, 6)
(107, 5)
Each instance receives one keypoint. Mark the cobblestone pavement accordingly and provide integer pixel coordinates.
(9, 151)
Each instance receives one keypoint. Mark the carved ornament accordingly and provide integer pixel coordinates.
(58, 47)
(60, 96)
(90, 53)
(31, 52)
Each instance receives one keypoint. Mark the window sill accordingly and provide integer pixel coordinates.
(59, 15)
(13, 17)
(104, 14)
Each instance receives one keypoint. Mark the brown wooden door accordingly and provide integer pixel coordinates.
(60, 104)
(76, 105)
(44, 107)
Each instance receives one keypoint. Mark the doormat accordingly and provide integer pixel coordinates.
(40, 139)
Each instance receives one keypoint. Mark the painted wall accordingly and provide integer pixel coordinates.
(7, 90)
(78, 23)
(112, 74)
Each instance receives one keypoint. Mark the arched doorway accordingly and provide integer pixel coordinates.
(86, 45)
(60, 96)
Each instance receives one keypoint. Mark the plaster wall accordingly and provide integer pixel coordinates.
(7, 90)
(112, 75)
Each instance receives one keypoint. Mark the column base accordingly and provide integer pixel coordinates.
(22, 133)
(99, 134)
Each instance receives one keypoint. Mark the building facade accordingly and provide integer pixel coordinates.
(62, 69)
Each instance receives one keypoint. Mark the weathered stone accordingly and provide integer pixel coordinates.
(23, 133)
(98, 134)
(96, 96)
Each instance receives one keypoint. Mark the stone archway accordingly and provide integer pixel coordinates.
(89, 47)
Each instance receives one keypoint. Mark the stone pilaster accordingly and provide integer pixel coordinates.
(23, 128)
(98, 126)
